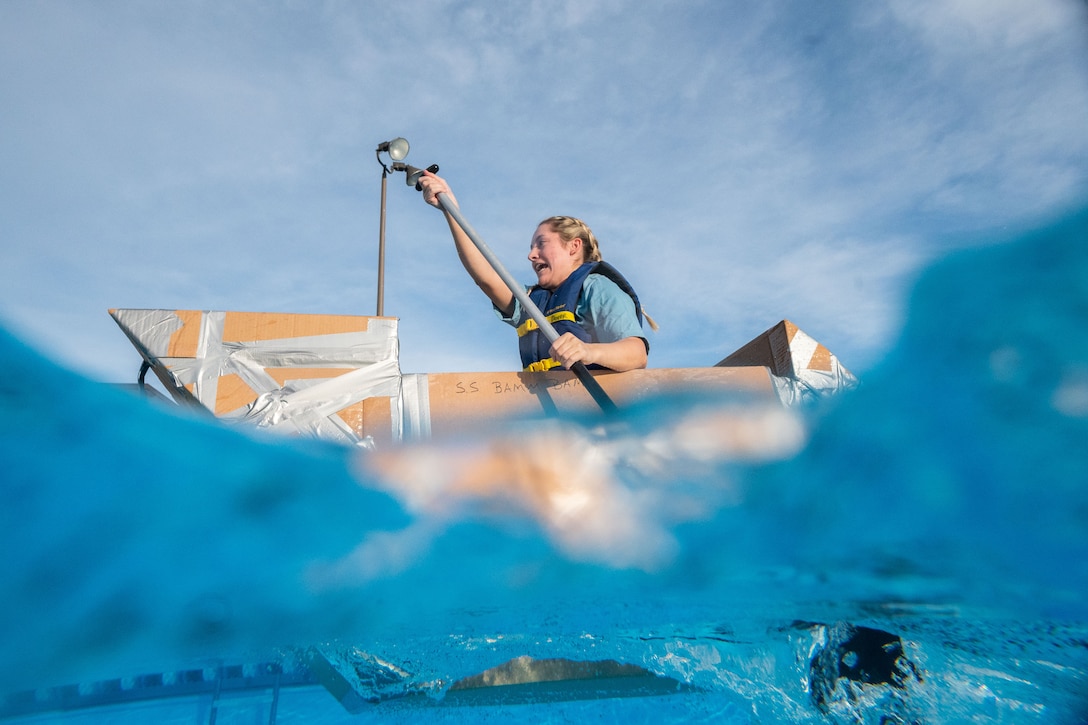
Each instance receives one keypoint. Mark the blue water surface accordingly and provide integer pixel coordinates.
(923, 558)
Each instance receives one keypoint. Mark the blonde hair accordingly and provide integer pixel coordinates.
(569, 228)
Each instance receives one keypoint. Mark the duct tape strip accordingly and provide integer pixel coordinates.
(312, 409)
(304, 404)
(415, 407)
(802, 348)
(808, 383)
(149, 330)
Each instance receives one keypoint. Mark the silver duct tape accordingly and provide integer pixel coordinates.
(802, 348)
(305, 405)
(249, 362)
(310, 408)
(808, 384)
(205, 384)
(149, 330)
(154, 329)
(415, 402)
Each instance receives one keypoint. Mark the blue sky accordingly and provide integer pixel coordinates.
(741, 162)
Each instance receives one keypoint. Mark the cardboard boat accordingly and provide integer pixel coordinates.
(338, 377)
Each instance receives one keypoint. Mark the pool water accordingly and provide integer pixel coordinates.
(913, 551)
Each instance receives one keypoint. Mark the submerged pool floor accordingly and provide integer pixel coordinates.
(939, 665)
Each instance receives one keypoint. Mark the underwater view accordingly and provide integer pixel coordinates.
(911, 551)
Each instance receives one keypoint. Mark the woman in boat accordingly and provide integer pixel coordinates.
(593, 308)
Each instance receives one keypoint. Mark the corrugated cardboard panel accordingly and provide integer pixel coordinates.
(285, 375)
(802, 367)
(232, 393)
(184, 342)
(771, 349)
(456, 399)
(785, 349)
(373, 418)
(820, 360)
(338, 376)
(296, 372)
(255, 326)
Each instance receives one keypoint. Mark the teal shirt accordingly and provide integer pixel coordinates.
(605, 311)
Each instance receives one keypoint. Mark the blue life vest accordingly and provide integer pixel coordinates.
(558, 306)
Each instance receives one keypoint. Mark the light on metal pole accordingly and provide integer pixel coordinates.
(396, 149)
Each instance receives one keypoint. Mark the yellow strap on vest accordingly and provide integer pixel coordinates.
(543, 366)
(529, 325)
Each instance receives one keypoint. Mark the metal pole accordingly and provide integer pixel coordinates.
(381, 248)
(528, 305)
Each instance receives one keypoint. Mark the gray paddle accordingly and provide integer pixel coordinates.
(579, 369)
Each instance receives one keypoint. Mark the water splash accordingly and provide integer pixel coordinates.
(942, 503)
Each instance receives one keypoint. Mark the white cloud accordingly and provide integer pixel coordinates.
(957, 25)
(742, 164)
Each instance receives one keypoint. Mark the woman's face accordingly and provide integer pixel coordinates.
(552, 261)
